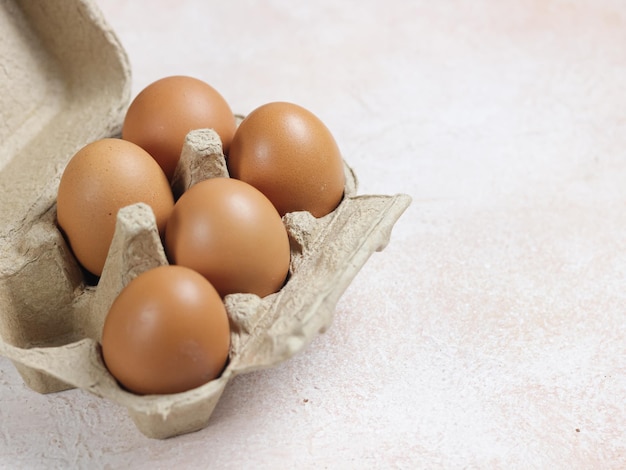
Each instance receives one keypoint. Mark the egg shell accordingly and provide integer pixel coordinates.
(100, 179)
(166, 332)
(289, 154)
(51, 319)
(164, 112)
(230, 233)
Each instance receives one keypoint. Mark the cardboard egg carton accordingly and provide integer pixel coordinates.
(51, 311)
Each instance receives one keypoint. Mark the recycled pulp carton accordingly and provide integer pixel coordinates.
(64, 82)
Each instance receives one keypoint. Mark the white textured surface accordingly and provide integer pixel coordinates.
(491, 332)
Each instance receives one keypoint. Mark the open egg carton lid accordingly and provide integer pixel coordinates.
(65, 82)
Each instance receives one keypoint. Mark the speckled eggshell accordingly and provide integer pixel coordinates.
(100, 179)
(288, 153)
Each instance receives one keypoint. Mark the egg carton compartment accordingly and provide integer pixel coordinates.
(51, 312)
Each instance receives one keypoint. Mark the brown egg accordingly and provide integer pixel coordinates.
(230, 233)
(167, 332)
(287, 153)
(164, 112)
(100, 179)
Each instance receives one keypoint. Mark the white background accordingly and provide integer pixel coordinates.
(491, 332)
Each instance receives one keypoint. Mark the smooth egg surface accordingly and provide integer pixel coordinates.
(100, 179)
(288, 153)
(163, 113)
(230, 233)
(167, 332)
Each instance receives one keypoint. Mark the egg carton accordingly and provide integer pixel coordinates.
(52, 311)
